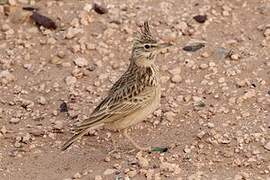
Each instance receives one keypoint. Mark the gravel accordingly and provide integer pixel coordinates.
(214, 112)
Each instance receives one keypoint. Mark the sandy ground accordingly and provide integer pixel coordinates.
(214, 115)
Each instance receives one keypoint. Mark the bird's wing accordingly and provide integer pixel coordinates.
(118, 104)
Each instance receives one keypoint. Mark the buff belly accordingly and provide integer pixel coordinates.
(137, 116)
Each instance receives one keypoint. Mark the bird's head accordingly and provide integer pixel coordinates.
(145, 47)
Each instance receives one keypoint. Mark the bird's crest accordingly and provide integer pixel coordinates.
(144, 35)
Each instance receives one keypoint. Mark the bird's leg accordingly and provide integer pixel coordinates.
(134, 143)
(114, 146)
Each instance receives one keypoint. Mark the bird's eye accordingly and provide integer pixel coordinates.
(147, 46)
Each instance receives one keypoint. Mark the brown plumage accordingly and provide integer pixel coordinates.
(134, 96)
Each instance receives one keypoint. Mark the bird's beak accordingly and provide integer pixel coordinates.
(162, 46)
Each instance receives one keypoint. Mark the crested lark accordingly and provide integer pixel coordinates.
(134, 96)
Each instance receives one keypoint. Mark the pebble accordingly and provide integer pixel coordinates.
(210, 125)
(42, 100)
(72, 32)
(176, 78)
(192, 47)
(175, 71)
(170, 167)
(12, 2)
(238, 177)
(14, 120)
(70, 80)
(132, 173)
(108, 172)
(6, 77)
(198, 101)
(267, 146)
(235, 57)
(3, 130)
(56, 60)
(107, 159)
(267, 32)
(81, 62)
(221, 80)
(88, 7)
(26, 138)
(249, 94)
(200, 18)
(58, 125)
(197, 176)
(98, 177)
(77, 175)
(170, 116)
(143, 162)
(66, 64)
(203, 66)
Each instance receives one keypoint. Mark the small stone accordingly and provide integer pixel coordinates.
(81, 62)
(3, 130)
(14, 120)
(212, 64)
(51, 41)
(192, 47)
(200, 18)
(249, 94)
(66, 64)
(17, 144)
(70, 80)
(240, 83)
(107, 159)
(198, 101)
(6, 77)
(61, 54)
(72, 32)
(37, 132)
(58, 125)
(225, 13)
(108, 172)
(56, 60)
(87, 7)
(235, 57)
(100, 9)
(238, 177)
(267, 146)
(91, 67)
(203, 66)
(170, 167)
(77, 175)
(63, 107)
(42, 100)
(12, 2)
(205, 55)
(201, 134)
(143, 162)
(170, 116)
(26, 138)
(132, 173)
(176, 78)
(187, 150)
(98, 177)
(175, 71)
(210, 125)
(197, 176)
(221, 80)
(267, 32)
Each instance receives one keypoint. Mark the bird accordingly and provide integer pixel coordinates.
(134, 96)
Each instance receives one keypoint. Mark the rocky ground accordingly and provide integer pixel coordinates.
(215, 110)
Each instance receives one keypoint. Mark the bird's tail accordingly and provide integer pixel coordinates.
(79, 135)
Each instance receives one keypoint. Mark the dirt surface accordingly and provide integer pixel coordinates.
(215, 110)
